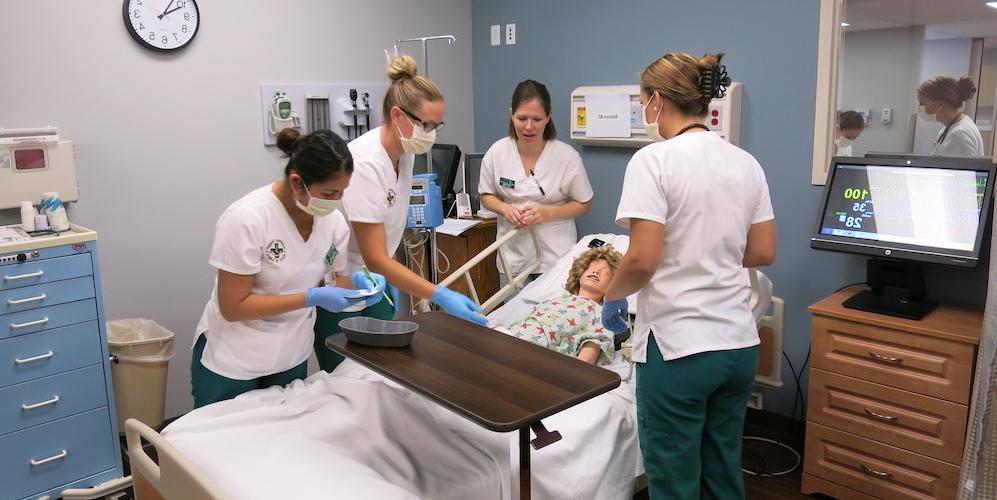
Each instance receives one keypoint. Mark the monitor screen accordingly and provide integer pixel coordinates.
(922, 209)
(472, 174)
(446, 160)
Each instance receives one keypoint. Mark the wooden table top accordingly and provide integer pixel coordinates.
(495, 380)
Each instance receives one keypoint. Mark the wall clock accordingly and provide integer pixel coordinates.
(161, 25)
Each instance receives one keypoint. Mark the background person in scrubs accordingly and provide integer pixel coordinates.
(378, 200)
(698, 212)
(532, 179)
(273, 248)
(849, 127)
(941, 100)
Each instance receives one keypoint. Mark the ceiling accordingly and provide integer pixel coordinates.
(942, 18)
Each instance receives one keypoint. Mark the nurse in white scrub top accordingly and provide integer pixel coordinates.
(698, 212)
(532, 179)
(941, 100)
(378, 200)
(274, 249)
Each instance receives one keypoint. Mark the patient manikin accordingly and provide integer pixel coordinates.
(571, 322)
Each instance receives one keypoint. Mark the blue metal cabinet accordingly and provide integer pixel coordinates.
(57, 419)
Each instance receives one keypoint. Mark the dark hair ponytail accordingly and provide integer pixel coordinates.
(316, 156)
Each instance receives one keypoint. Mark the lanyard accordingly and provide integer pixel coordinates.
(945, 132)
(690, 127)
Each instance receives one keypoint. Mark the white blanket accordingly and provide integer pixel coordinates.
(353, 434)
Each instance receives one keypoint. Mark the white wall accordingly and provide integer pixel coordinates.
(165, 143)
(880, 70)
(941, 57)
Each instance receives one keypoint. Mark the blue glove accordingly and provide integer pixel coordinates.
(362, 282)
(458, 305)
(333, 298)
(614, 315)
(393, 292)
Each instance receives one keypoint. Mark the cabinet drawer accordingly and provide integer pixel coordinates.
(50, 398)
(925, 365)
(28, 357)
(921, 424)
(47, 318)
(35, 272)
(875, 468)
(56, 453)
(46, 294)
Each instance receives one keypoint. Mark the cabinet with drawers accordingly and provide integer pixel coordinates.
(888, 401)
(57, 418)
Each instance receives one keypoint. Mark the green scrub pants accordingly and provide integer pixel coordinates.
(327, 324)
(690, 421)
(209, 387)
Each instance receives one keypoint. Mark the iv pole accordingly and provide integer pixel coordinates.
(424, 40)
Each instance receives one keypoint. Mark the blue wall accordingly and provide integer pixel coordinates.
(771, 47)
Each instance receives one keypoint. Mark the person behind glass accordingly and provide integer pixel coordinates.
(698, 212)
(273, 248)
(531, 179)
(941, 100)
(849, 127)
(378, 201)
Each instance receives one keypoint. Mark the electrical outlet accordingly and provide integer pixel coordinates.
(496, 35)
(510, 34)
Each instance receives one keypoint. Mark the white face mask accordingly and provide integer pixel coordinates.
(923, 114)
(420, 142)
(842, 142)
(317, 207)
(651, 129)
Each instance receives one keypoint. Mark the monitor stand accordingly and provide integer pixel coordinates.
(896, 289)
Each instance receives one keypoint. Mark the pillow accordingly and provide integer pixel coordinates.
(551, 283)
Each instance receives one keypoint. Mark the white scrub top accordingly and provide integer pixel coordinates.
(256, 236)
(706, 192)
(560, 172)
(377, 195)
(845, 151)
(962, 139)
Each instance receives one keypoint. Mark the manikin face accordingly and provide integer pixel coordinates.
(595, 280)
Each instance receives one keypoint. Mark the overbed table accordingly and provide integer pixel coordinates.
(497, 381)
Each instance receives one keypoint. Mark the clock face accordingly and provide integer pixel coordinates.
(163, 25)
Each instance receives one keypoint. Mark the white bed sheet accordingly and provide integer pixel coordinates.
(357, 435)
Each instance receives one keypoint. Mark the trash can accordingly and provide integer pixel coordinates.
(141, 350)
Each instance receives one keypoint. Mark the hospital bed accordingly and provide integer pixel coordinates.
(356, 434)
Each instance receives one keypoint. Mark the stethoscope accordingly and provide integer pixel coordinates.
(690, 127)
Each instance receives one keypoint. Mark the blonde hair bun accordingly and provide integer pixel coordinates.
(402, 67)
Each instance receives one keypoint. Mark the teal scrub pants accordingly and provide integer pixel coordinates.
(327, 324)
(690, 421)
(209, 387)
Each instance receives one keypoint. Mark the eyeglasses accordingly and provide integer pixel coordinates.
(426, 126)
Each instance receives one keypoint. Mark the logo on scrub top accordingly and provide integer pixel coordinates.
(275, 251)
(391, 198)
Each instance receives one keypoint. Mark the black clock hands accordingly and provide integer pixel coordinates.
(167, 10)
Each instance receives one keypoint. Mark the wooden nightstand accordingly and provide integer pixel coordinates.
(460, 249)
(888, 400)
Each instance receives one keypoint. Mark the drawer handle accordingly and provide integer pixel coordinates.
(54, 400)
(53, 458)
(35, 274)
(24, 361)
(885, 359)
(875, 473)
(30, 323)
(880, 416)
(25, 301)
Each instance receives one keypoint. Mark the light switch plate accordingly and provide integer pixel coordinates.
(496, 35)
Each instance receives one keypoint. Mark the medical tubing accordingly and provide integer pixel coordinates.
(777, 443)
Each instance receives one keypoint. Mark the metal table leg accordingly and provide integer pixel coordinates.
(524, 463)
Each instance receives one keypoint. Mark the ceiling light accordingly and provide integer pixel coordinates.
(992, 5)
(845, 24)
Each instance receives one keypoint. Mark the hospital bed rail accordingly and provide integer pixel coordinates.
(173, 477)
(515, 284)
